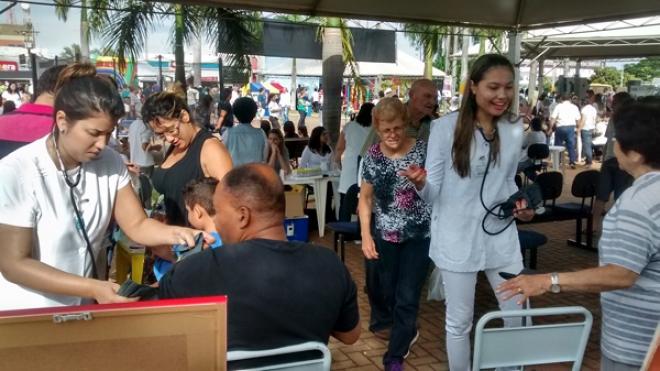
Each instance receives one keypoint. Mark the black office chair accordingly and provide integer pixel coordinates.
(530, 241)
(536, 152)
(584, 187)
(346, 230)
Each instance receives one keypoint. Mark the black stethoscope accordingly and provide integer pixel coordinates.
(80, 222)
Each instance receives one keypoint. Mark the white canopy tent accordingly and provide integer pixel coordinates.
(508, 14)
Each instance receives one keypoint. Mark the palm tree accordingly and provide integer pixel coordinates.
(127, 30)
(429, 38)
(337, 52)
(71, 53)
(93, 17)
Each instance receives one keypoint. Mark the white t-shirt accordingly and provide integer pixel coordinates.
(14, 97)
(313, 159)
(355, 135)
(285, 99)
(138, 134)
(590, 115)
(33, 194)
(566, 114)
(193, 96)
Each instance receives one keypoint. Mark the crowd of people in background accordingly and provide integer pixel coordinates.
(431, 168)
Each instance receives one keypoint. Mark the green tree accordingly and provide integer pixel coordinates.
(127, 30)
(93, 17)
(71, 53)
(429, 38)
(611, 76)
(646, 70)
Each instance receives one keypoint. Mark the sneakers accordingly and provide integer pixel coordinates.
(412, 342)
(394, 366)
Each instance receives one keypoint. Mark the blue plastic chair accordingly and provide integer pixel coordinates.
(534, 344)
(271, 359)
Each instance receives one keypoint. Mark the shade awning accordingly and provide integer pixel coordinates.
(510, 14)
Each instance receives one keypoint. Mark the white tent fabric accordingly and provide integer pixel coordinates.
(405, 66)
(510, 14)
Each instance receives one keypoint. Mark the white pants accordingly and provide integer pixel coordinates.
(459, 299)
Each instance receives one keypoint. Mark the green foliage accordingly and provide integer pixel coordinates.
(71, 53)
(646, 70)
(611, 76)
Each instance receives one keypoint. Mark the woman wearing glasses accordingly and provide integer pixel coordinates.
(58, 195)
(193, 154)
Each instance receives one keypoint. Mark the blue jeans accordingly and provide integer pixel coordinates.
(402, 269)
(587, 148)
(567, 134)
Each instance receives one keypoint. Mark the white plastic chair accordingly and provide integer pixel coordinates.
(531, 345)
(321, 363)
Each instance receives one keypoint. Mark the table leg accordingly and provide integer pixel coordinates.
(320, 194)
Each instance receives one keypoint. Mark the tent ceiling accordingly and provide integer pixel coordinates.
(511, 14)
(593, 48)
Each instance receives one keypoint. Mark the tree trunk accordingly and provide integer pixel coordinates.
(294, 84)
(447, 53)
(482, 45)
(197, 60)
(84, 33)
(333, 73)
(454, 64)
(465, 56)
(180, 71)
(428, 62)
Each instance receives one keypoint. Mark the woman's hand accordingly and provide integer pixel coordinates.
(416, 174)
(524, 286)
(186, 236)
(522, 212)
(105, 292)
(369, 247)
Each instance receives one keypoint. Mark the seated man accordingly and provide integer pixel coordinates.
(280, 292)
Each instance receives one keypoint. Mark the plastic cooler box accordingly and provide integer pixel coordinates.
(297, 228)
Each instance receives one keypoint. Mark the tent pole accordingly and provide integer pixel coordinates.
(514, 57)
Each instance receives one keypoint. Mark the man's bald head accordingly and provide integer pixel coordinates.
(256, 186)
(423, 99)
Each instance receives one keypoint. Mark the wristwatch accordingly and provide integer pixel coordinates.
(554, 283)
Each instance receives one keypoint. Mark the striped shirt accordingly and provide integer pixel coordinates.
(631, 239)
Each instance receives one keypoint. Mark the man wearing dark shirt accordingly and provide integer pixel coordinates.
(280, 292)
(225, 113)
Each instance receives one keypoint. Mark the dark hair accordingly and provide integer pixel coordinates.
(265, 126)
(262, 191)
(279, 135)
(200, 192)
(80, 93)
(225, 94)
(464, 132)
(244, 109)
(47, 81)
(637, 128)
(302, 130)
(8, 106)
(289, 130)
(166, 104)
(203, 111)
(621, 99)
(315, 142)
(364, 116)
(536, 124)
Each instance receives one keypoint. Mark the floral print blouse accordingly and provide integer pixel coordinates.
(400, 214)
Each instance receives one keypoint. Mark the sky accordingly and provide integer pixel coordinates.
(46, 22)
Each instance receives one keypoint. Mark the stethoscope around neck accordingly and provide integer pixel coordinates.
(72, 184)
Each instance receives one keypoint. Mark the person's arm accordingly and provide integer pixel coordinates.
(365, 209)
(347, 328)
(18, 266)
(349, 337)
(605, 278)
(580, 121)
(273, 157)
(284, 160)
(221, 119)
(215, 159)
(266, 150)
(145, 231)
(428, 180)
(340, 148)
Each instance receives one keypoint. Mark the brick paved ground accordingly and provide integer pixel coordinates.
(429, 352)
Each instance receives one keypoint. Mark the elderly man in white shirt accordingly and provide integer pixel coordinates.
(564, 119)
